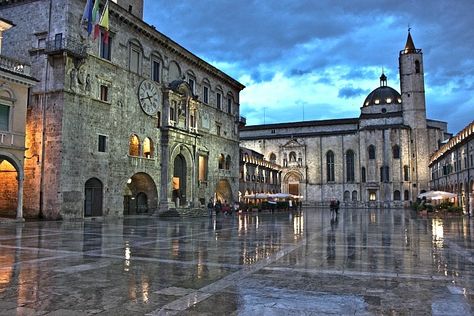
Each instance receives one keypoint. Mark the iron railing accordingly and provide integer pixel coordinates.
(59, 45)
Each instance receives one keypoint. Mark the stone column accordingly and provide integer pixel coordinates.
(19, 209)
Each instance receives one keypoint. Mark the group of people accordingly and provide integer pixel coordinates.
(218, 207)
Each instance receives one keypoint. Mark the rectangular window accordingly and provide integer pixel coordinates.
(218, 129)
(372, 195)
(202, 168)
(219, 101)
(102, 143)
(155, 71)
(158, 119)
(229, 105)
(4, 117)
(58, 41)
(104, 93)
(105, 46)
(134, 60)
(171, 114)
(206, 95)
(192, 121)
(191, 84)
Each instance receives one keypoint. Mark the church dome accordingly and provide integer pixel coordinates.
(383, 94)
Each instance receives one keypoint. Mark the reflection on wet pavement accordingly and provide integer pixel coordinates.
(363, 262)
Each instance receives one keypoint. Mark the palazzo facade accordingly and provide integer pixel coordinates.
(133, 125)
(379, 158)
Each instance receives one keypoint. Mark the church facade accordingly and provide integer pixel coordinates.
(128, 123)
(380, 158)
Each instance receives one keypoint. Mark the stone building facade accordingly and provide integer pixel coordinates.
(452, 168)
(257, 174)
(135, 124)
(15, 80)
(379, 158)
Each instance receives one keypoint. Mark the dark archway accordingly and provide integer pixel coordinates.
(8, 187)
(140, 195)
(93, 193)
(179, 180)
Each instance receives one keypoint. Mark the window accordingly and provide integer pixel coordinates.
(4, 117)
(292, 156)
(417, 66)
(363, 175)
(158, 119)
(192, 121)
(105, 46)
(202, 168)
(104, 93)
(227, 162)
(406, 195)
(354, 195)
(350, 166)
(205, 92)
(273, 158)
(371, 152)
(102, 143)
(155, 70)
(134, 59)
(134, 146)
(372, 195)
(191, 84)
(396, 152)
(406, 173)
(221, 161)
(330, 166)
(384, 174)
(147, 148)
(218, 100)
(172, 113)
(229, 105)
(347, 196)
(58, 41)
(218, 129)
(396, 195)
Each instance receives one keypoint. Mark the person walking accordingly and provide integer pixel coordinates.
(210, 207)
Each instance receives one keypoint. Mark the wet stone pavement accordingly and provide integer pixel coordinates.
(367, 262)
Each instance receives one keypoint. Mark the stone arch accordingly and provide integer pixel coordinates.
(186, 187)
(11, 185)
(148, 148)
(134, 145)
(272, 158)
(224, 191)
(140, 195)
(292, 181)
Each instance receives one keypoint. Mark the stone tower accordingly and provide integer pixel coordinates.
(135, 7)
(412, 88)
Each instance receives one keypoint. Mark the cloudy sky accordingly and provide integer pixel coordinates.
(318, 59)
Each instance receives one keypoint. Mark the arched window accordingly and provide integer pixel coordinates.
(417, 66)
(354, 195)
(147, 148)
(273, 158)
(384, 174)
(350, 166)
(227, 162)
(330, 166)
(396, 152)
(406, 173)
(134, 146)
(292, 156)
(396, 195)
(406, 195)
(363, 175)
(371, 152)
(347, 196)
(221, 161)
(135, 53)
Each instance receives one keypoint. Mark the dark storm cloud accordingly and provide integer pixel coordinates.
(349, 92)
(300, 38)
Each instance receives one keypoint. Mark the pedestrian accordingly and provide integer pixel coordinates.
(218, 206)
(210, 207)
(332, 207)
(337, 206)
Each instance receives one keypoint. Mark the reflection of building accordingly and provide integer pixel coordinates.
(15, 80)
(117, 122)
(379, 158)
(452, 167)
(258, 175)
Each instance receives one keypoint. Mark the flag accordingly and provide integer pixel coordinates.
(87, 16)
(96, 18)
(104, 22)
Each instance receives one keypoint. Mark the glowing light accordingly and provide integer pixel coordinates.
(377, 101)
(129, 181)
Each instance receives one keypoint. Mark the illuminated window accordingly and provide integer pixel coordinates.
(202, 168)
(389, 100)
(134, 146)
(377, 101)
(372, 195)
(147, 148)
(221, 161)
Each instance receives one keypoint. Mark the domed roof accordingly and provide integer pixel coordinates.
(383, 94)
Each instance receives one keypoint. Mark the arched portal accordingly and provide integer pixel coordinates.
(179, 180)
(140, 195)
(9, 187)
(224, 191)
(292, 182)
(93, 192)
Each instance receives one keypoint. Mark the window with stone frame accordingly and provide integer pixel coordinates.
(203, 165)
(229, 104)
(218, 129)
(396, 195)
(228, 162)
(354, 196)
(219, 100)
(330, 166)
(148, 148)
(221, 161)
(134, 58)
(396, 152)
(350, 166)
(406, 195)
(104, 93)
(105, 45)
(371, 151)
(4, 117)
(134, 146)
(205, 93)
(155, 68)
(406, 173)
(363, 175)
(102, 143)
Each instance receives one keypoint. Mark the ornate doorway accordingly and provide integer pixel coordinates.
(179, 181)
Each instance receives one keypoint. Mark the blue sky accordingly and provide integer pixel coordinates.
(319, 59)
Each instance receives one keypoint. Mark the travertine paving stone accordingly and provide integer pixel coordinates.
(364, 262)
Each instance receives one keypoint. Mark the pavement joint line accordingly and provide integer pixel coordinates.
(191, 299)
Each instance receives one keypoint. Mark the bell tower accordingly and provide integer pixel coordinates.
(134, 7)
(412, 87)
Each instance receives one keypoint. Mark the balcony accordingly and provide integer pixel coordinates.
(14, 66)
(60, 45)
